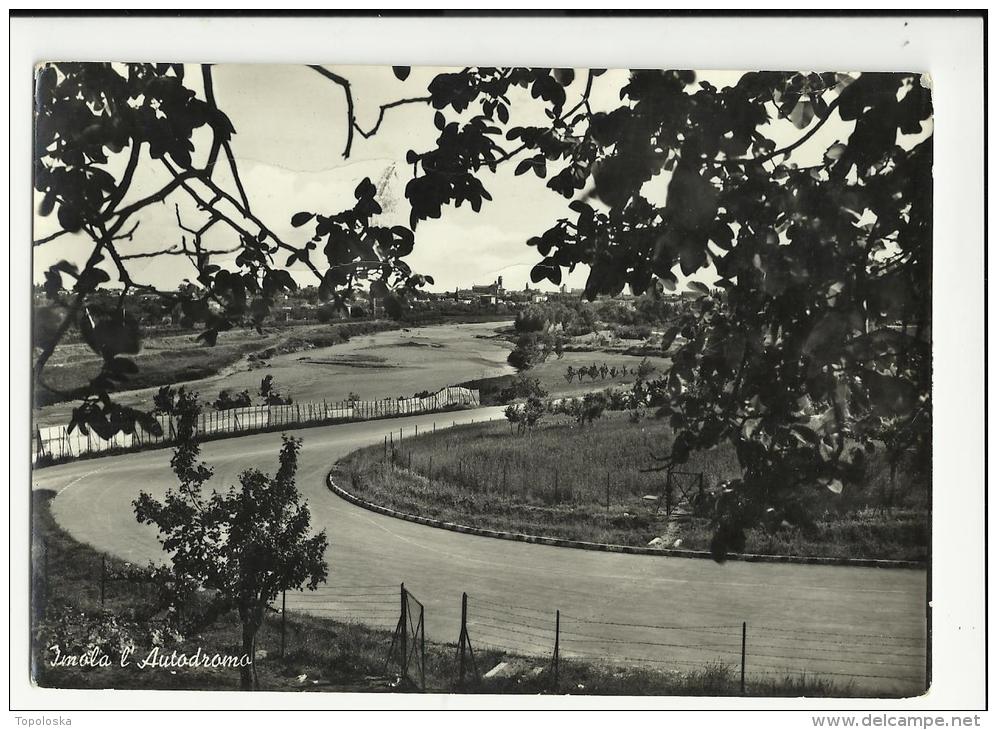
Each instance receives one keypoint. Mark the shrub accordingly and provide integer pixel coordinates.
(226, 401)
(632, 332)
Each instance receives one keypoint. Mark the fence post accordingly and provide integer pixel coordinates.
(462, 640)
(283, 621)
(417, 429)
(668, 494)
(607, 492)
(557, 645)
(744, 646)
(103, 578)
(404, 635)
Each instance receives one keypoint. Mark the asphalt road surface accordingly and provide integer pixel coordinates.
(864, 626)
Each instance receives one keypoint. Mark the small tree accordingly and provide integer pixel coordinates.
(527, 415)
(270, 393)
(246, 544)
(165, 400)
(589, 408)
(645, 370)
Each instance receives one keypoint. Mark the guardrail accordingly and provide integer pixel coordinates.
(57, 443)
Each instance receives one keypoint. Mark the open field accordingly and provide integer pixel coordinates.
(320, 654)
(312, 363)
(589, 483)
(180, 358)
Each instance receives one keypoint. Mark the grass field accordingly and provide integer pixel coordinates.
(320, 654)
(180, 358)
(558, 480)
(311, 363)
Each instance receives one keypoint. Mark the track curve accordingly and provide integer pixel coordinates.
(865, 625)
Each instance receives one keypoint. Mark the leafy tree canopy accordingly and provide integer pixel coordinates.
(812, 347)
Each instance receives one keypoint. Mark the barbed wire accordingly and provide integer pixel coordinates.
(516, 630)
(807, 635)
(650, 626)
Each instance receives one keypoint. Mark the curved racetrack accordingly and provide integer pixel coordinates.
(864, 625)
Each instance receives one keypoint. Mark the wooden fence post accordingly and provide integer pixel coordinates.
(283, 622)
(607, 492)
(744, 647)
(462, 640)
(557, 646)
(404, 637)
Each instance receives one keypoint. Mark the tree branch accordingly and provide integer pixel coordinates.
(126, 181)
(350, 117)
(177, 181)
(384, 108)
(209, 94)
(127, 236)
(221, 194)
(235, 174)
(43, 241)
(813, 130)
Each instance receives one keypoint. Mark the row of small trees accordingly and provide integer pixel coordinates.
(584, 410)
(644, 370)
(167, 399)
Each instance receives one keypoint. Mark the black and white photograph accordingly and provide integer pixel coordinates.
(512, 380)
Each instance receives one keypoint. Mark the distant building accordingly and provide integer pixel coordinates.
(482, 293)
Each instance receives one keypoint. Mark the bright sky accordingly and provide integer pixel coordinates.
(290, 136)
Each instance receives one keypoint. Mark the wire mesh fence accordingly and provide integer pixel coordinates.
(58, 443)
(754, 651)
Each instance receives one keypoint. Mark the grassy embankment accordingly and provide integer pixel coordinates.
(321, 654)
(553, 482)
(179, 358)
